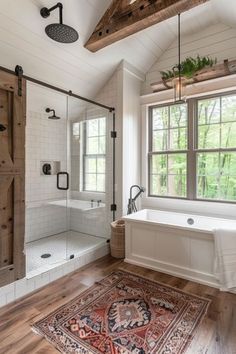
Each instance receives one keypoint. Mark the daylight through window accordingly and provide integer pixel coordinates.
(192, 149)
(94, 155)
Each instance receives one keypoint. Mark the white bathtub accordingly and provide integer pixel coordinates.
(165, 241)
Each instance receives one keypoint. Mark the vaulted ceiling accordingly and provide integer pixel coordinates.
(71, 66)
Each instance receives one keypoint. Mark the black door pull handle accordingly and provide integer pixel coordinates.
(67, 181)
(2, 128)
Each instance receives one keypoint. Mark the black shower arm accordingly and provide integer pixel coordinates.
(48, 110)
(45, 12)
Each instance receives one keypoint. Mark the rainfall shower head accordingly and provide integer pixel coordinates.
(53, 116)
(58, 31)
(61, 33)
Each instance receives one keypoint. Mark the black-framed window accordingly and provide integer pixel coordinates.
(192, 149)
(94, 155)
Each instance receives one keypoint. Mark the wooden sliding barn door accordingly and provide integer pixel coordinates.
(12, 179)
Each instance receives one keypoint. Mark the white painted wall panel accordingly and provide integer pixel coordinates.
(217, 41)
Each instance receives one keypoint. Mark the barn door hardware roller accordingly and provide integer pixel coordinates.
(19, 72)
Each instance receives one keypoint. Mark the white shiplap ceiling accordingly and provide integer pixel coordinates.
(71, 66)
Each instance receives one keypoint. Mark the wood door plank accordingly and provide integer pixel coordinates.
(6, 150)
(12, 178)
(6, 220)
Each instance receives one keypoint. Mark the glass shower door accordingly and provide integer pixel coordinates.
(47, 219)
(90, 178)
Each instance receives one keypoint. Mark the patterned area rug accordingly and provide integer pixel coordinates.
(125, 313)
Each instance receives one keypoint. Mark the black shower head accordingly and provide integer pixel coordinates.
(61, 33)
(58, 31)
(53, 116)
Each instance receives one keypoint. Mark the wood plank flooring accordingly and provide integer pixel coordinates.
(216, 335)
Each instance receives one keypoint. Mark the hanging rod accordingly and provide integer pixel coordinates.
(55, 88)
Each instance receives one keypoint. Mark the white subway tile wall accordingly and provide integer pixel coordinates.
(93, 222)
(44, 221)
(46, 140)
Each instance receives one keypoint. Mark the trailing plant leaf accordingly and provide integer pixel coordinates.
(167, 74)
(189, 67)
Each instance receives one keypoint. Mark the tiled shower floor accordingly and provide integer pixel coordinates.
(61, 247)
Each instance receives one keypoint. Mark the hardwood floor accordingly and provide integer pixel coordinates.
(216, 335)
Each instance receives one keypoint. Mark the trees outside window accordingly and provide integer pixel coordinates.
(192, 149)
(94, 155)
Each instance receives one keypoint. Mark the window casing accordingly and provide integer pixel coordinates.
(192, 149)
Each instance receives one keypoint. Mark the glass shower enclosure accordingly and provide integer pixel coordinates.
(69, 185)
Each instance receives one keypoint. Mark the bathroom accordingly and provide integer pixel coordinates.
(110, 129)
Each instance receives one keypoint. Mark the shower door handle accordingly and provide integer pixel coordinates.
(67, 181)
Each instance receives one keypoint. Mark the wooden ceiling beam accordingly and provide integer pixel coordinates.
(124, 18)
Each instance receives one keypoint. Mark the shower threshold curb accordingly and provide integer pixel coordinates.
(78, 261)
(26, 286)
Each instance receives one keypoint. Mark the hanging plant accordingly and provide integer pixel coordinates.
(189, 67)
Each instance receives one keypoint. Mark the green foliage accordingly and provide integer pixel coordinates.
(189, 67)
(216, 170)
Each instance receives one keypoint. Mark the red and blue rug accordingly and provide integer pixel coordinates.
(125, 314)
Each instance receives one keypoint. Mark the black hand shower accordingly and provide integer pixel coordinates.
(131, 204)
(58, 31)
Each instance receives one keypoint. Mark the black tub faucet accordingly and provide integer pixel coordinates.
(131, 203)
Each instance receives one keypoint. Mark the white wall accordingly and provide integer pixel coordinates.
(131, 130)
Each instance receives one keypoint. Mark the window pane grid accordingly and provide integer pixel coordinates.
(94, 155)
(171, 135)
(211, 155)
(168, 174)
(219, 133)
(168, 143)
(216, 156)
(213, 123)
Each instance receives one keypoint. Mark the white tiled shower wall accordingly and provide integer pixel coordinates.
(93, 222)
(44, 221)
(46, 140)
